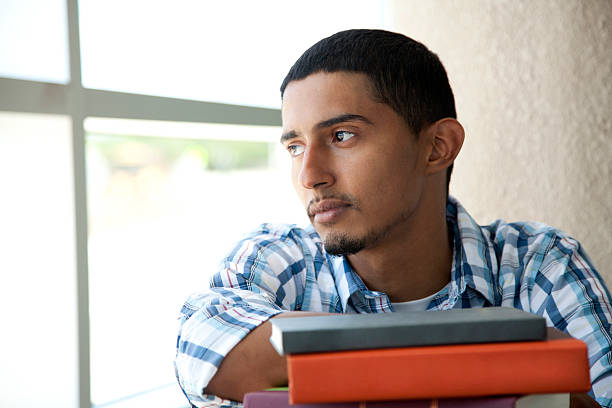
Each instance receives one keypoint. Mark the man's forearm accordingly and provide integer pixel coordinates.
(252, 365)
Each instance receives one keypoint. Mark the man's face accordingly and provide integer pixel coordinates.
(357, 167)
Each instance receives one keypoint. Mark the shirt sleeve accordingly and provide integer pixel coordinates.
(571, 294)
(259, 279)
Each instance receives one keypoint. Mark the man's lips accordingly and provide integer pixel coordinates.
(327, 211)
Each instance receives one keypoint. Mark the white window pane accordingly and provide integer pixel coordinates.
(235, 51)
(34, 40)
(163, 211)
(38, 351)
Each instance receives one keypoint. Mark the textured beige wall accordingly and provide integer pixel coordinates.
(533, 87)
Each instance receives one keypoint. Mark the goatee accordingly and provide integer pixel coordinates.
(342, 244)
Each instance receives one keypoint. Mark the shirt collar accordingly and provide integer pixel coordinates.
(350, 286)
(474, 260)
(474, 266)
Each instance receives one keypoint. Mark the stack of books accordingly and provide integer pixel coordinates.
(488, 357)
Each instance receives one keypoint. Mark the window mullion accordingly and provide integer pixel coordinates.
(75, 110)
(32, 96)
(110, 104)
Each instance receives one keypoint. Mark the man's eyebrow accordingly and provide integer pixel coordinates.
(345, 117)
(288, 136)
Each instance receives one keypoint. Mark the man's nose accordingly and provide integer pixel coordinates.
(316, 168)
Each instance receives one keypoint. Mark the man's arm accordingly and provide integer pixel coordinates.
(252, 365)
(223, 343)
(212, 324)
(578, 302)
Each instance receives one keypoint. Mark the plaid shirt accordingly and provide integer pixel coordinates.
(528, 266)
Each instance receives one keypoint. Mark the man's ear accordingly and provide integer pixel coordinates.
(446, 138)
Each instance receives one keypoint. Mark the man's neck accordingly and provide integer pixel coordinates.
(413, 262)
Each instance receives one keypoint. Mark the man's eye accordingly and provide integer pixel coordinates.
(295, 150)
(343, 135)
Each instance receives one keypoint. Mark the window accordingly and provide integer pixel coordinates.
(220, 51)
(175, 127)
(163, 210)
(33, 40)
(38, 291)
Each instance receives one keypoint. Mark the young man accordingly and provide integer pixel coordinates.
(370, 125)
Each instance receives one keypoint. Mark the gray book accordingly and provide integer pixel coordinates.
(310, 334)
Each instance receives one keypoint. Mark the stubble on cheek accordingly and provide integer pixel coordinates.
(343, 243)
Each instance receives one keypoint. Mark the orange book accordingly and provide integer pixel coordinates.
(558, 364)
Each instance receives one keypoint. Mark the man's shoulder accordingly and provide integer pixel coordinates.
(273, 233)
(524, 237)
(500, 230)
(527, 238)
(274, 238)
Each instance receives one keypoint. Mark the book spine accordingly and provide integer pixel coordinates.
(280, 399)
(372, 337)
(469, 370)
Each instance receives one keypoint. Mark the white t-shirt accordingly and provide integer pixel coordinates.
(416, 305)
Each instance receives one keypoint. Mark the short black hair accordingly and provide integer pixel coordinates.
(405, 75)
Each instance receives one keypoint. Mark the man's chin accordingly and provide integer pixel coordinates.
(342, 244)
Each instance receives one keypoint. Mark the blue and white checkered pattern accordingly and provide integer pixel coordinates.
(529, 266)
